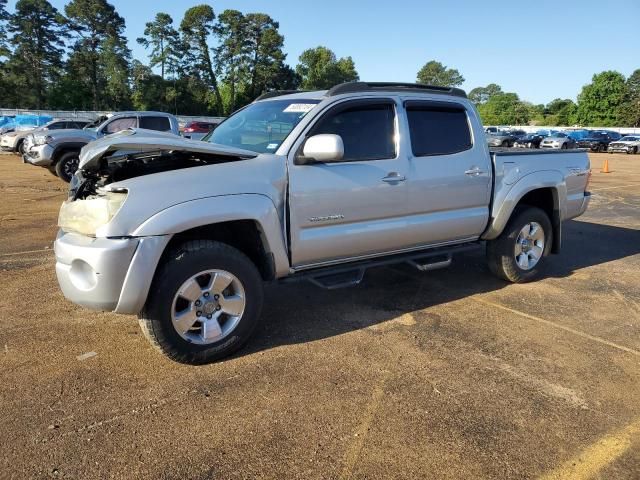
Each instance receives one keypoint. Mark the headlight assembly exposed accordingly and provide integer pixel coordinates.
(88, 215)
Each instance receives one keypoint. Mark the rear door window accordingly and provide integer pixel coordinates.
(160, 124)
(438, 128)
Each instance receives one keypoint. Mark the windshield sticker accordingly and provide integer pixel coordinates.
(272, 146)
(299, 107)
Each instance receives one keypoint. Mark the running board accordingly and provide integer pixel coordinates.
(351, 274)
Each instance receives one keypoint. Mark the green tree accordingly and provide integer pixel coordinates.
(319, 69)
(480, 95)
(38, 45)
(267, 69)
(4, 17)
(100, 56)
(504, 109)
(196, 27)
(232, 55)
(435, 73)
(163, 40)
(560, 112)
(631, 109)
(602, 101)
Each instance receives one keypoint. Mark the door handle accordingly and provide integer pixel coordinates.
(394, 177)
(474, 172)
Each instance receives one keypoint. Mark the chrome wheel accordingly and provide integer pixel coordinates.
(529, 246)
(208, 306)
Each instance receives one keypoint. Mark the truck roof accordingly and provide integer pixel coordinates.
(363, 87)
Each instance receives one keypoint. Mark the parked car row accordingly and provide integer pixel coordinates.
(58, 148)
(594, 140)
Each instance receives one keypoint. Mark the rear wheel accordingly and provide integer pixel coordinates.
(516, 254)
(204, 303)
(67, 165)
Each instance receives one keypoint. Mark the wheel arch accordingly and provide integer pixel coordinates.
(546, 190)
(248, 222)
(61, 149)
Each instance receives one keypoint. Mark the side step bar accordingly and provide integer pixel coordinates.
(351, 274)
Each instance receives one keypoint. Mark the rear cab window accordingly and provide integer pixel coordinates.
(161, 124)
(438, 128)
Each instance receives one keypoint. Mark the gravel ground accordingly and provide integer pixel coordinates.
(447, 374)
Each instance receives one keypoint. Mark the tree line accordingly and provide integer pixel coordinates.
(609, 100)
(208, 64)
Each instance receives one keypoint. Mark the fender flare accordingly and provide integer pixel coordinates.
(63, 148)
(508, 199)
(211, 210)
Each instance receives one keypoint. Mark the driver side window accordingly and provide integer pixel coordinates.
(120, 124)
(367, 130)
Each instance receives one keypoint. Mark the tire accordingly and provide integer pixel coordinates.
(564, 146)
(633, 151)
(176, 275)
(504, 144)
(602, 149)
(52, 171)
(20, 147)
(502, 252)
(67, 165)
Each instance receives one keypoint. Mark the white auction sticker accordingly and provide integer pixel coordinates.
(299, 107)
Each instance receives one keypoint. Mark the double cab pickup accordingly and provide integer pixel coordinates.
(317, 186)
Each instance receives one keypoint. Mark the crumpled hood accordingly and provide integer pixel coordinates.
(141, 140)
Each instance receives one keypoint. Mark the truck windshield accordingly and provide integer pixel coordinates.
(262, 127)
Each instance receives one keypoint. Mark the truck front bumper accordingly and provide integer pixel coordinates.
(39, 155)
(112, 274)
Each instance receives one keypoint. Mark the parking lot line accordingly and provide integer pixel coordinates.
(354, 449)
(611, 188)
(25, 253)
(597, 456)
(557, 325)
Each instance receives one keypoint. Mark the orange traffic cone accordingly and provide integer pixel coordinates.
(605, 166)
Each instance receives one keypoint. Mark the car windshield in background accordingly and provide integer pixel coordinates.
(262, 127)
(630, 139)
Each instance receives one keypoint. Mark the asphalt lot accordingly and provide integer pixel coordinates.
(447, 374)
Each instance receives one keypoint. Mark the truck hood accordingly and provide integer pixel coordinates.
(76, 133)
(140, 140)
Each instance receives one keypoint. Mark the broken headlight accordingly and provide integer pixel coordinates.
(88, 215)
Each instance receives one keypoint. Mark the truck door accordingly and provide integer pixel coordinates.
(355, 207)
(449, 170)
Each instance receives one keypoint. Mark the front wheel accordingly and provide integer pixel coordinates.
(516, 254)
(204, 303)
(67, 165)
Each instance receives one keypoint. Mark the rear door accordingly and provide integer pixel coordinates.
(450, 172)
(355, 207)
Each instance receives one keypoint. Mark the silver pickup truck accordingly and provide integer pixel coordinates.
(301, 185)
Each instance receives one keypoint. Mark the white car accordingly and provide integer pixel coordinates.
(627, 144)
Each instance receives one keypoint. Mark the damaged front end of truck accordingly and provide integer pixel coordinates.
(94, 194)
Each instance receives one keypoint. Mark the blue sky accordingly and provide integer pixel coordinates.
(539, 49)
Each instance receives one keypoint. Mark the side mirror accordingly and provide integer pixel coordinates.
(322, 148)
